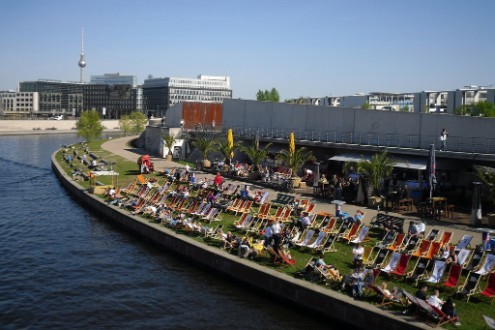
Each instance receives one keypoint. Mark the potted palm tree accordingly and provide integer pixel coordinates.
(227, 149)
(205, 144)
(256, 155)
(376, 169)
(295, 161)
(169, 141)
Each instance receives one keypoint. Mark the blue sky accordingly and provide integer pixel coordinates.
(302, 48)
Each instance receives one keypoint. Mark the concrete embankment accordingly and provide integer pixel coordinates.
(21, 127)
(328, 303)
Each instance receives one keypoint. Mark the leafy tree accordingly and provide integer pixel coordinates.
(487, 177)
(255, 153)
(133, 123)
(266, 95)
(484, 108)
(366, 105)
(406, 108)
(296, 160)
(89, 125)
(169, 141)
(375, 170)
(205, 144)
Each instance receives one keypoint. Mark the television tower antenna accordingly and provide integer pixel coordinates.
(82, 59)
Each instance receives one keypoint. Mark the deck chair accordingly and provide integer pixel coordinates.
(392, 263)
(328, 274)
(398, 242)
(475, 260)
(212, 215)
(412, 243)
(487, 266)
(142, 179)
(445, 238)
(490, 323)
(422, 249)
(385, 300)
(319, 241)
(239, 224)
(440, 318)
(433, 234)
(419, 270)
(437, 273)
(235, 204)
(277, 215)
(463, 257)
(351, 233)
(263, 211)
(362, 236)
(380, 258)
(489, 290)
(306, 238)
(454, 275)
(401, 269)
(367, 253)
(285, 216)
(214, 233)
(433, 250)
(328, 246)
(388, 239)
(464, 242)
(330, 226)
(470, 285)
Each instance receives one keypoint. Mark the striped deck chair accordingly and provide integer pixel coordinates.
(454, 275)
(130, 187)
(437, 272)
(203, 212)
(237, 202)
(286, 212)
(487, 266)
(392, 263)
(263, 211)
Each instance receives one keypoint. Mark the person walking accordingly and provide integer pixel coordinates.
(443, 139)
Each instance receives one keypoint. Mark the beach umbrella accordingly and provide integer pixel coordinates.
(292, 143)
(431, 168)
(230, 141)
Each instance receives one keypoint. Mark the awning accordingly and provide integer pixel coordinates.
(400, 162)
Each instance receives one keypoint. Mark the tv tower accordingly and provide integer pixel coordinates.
(82, 60)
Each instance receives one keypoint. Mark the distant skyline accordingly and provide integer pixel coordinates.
(310, 48)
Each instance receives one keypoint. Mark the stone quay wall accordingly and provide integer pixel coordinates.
(309, 296)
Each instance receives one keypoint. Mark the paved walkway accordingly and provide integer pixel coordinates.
(458, 224)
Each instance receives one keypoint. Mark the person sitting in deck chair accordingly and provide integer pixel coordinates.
(357, 218)
(320, 263)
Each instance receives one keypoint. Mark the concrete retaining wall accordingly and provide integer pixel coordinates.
(323, 301)
(60, 125)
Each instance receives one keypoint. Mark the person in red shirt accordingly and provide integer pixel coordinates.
(218, 180)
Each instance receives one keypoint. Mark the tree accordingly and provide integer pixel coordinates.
(89, 125)
(169, 141)
(255, 153)
(266, 95)
(133, 123)
(484, 108)
(205, 144)
(487, 177)
(296, 160)
(366, 105)
(375, 170)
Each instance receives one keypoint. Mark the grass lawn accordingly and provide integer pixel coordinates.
(470, 313)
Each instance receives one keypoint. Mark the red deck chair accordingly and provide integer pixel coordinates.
(401, 269)
(398, 242)
(489, 291)
(454, 275)
(423, 249)
(445, 238)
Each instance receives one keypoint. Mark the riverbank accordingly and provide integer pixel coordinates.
(328, 303)
(39, 127)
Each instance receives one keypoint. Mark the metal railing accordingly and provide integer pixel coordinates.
(471, 145)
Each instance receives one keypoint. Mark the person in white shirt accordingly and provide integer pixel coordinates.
(357, 253)
(435, 300)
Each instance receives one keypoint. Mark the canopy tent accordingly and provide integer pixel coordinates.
(402, 162)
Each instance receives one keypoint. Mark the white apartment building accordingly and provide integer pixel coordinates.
(21, 104)
(114, 79)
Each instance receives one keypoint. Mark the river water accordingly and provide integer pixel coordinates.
(62, 266)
